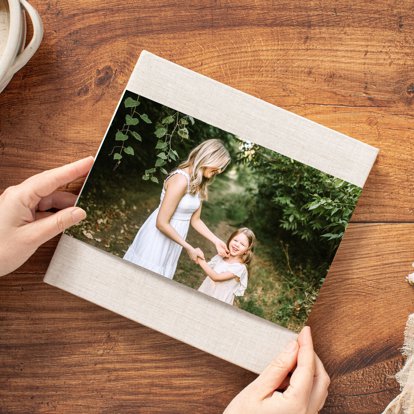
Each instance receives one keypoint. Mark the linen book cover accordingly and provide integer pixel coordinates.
(212, 216)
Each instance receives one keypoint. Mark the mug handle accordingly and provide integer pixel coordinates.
(34, 44)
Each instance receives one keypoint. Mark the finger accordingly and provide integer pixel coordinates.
(301, 382)
(275, 373)
(58, 199)
(33, 189)
(50, 226)
(285, 383)
(42, 214)
(321, 383)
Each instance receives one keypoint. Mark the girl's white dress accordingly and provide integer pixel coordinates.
(228, 289)
(151, 248)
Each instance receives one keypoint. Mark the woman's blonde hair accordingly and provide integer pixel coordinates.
(248, 256)
(210, 153)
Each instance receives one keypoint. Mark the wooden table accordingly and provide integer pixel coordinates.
(345, 64)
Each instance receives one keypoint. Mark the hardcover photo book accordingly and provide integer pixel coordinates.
(212, 216)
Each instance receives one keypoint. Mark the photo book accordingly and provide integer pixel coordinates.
(212, 215)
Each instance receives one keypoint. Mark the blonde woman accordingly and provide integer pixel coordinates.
(158, 243)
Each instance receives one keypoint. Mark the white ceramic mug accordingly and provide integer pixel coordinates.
(13, 54)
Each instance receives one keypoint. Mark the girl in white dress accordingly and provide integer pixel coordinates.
(158, 243)
(228, 277)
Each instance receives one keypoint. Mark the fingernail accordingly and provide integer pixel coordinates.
(291, 346)
(78, 214)
(305, 329)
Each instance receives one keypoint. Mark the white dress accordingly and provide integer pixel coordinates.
(228, 289)
(151, 248)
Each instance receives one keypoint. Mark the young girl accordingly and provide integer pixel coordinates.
(158, 243)
(227, 277)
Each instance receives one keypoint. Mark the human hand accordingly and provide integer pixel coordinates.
(221, 248)
(25, 223)
(194, 253)
(199, 260)
(200, 254)
(307, 389)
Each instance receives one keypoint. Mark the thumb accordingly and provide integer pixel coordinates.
(50, 226)
(273, 375)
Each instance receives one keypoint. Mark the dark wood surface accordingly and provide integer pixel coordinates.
(347, 65)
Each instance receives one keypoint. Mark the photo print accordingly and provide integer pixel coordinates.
(214, 211)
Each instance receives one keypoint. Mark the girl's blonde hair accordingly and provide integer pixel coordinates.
(210, 153)
(248, 256)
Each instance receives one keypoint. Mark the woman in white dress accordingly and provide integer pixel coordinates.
(227, 277)
(158, 243)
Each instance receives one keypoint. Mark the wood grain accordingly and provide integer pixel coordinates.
(368, 302)
(322, 62)
(347, 65)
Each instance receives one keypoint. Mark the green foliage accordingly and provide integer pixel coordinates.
(170, 127)
(299, 290)
(129, 120)
(129, 150)
(145, 118)
(296, 200)
(251, 305)
(238, 208)
(122, 135)
(131, 103)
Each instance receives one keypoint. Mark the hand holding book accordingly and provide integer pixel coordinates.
(27, 221)
(304, 392)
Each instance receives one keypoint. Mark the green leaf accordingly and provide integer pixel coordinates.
(191, 120)
(117, 156)
(161, 145)
(183, 133)
(160, 132)
(129, 150)
(120, 136)
(145, 118)
(164, 171)
(160, 162)
(162, 155)
(172, 155)
(154, 179)
(145, 177)
(136, 135)
(334, 211)
(183, 121)
(150, 171)
(131, 103)
(168, 120)
(130, 120)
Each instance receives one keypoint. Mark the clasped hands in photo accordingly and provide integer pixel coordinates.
(195, 253)
(26, 223)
